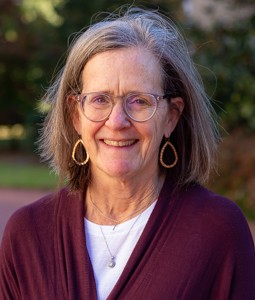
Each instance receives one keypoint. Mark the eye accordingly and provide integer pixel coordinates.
(98, 99)
(140, 100)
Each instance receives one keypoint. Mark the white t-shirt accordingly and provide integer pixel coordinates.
(121, 241)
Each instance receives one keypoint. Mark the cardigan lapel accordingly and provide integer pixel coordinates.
(141, 264)
(74, 265)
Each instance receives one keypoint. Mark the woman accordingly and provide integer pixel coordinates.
(132, 132)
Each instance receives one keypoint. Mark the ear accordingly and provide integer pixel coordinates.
(175, 110)
(74, 113)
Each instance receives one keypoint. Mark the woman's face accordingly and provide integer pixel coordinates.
(120, 147)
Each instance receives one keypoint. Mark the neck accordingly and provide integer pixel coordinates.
(111, 203)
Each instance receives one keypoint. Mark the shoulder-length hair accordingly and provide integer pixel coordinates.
(195, 136)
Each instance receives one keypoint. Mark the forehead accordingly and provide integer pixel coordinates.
(130, 69)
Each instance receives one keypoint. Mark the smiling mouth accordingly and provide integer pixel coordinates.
(119, 143)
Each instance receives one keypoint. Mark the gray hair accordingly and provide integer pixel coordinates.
(195, 136)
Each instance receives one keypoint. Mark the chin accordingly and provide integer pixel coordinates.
(121, 170)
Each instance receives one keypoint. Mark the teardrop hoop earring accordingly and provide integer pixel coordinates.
(79, 163)
(168, 143)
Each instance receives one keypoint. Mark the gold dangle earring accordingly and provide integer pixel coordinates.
(168, 143)
(79, 163)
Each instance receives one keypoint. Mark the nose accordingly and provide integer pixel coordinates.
(118, 118)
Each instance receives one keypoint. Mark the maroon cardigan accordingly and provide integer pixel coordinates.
(196, 245)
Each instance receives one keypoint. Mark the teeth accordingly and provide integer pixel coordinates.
(119, 143)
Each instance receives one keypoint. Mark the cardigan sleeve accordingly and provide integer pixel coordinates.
(233, 251)
(243, 276)
(9, 288)
(23, 256)
(43, 252)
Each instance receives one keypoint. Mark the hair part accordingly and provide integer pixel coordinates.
(195, 136)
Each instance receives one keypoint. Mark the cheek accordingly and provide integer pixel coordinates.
(153, 134)
(166, 118)
(89, 131)
(160, 124)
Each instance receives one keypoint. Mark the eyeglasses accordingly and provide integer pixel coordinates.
(139, 107)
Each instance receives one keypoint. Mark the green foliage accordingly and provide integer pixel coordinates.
(235, 176)
(230, 54)
(34, 36)
(24, 63)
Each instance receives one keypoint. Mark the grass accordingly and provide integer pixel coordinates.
(26, 175)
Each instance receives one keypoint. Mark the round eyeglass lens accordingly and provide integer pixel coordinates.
(97, 107)
(140, 107)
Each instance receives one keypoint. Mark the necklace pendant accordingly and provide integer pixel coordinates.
(112, 262)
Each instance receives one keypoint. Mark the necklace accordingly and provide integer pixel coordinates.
(116, 222)
(112, 261)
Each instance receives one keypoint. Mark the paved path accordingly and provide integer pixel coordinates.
(12, 199)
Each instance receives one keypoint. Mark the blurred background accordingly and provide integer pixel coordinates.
(34, 36)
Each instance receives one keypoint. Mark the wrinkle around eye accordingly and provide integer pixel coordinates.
(140, 101)
(100, 100)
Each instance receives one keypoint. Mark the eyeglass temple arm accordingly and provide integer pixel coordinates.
(169, 95)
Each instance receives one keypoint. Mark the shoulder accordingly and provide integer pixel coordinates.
(201, 203)
(36, 216)
(207, 203)
(215, 217)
